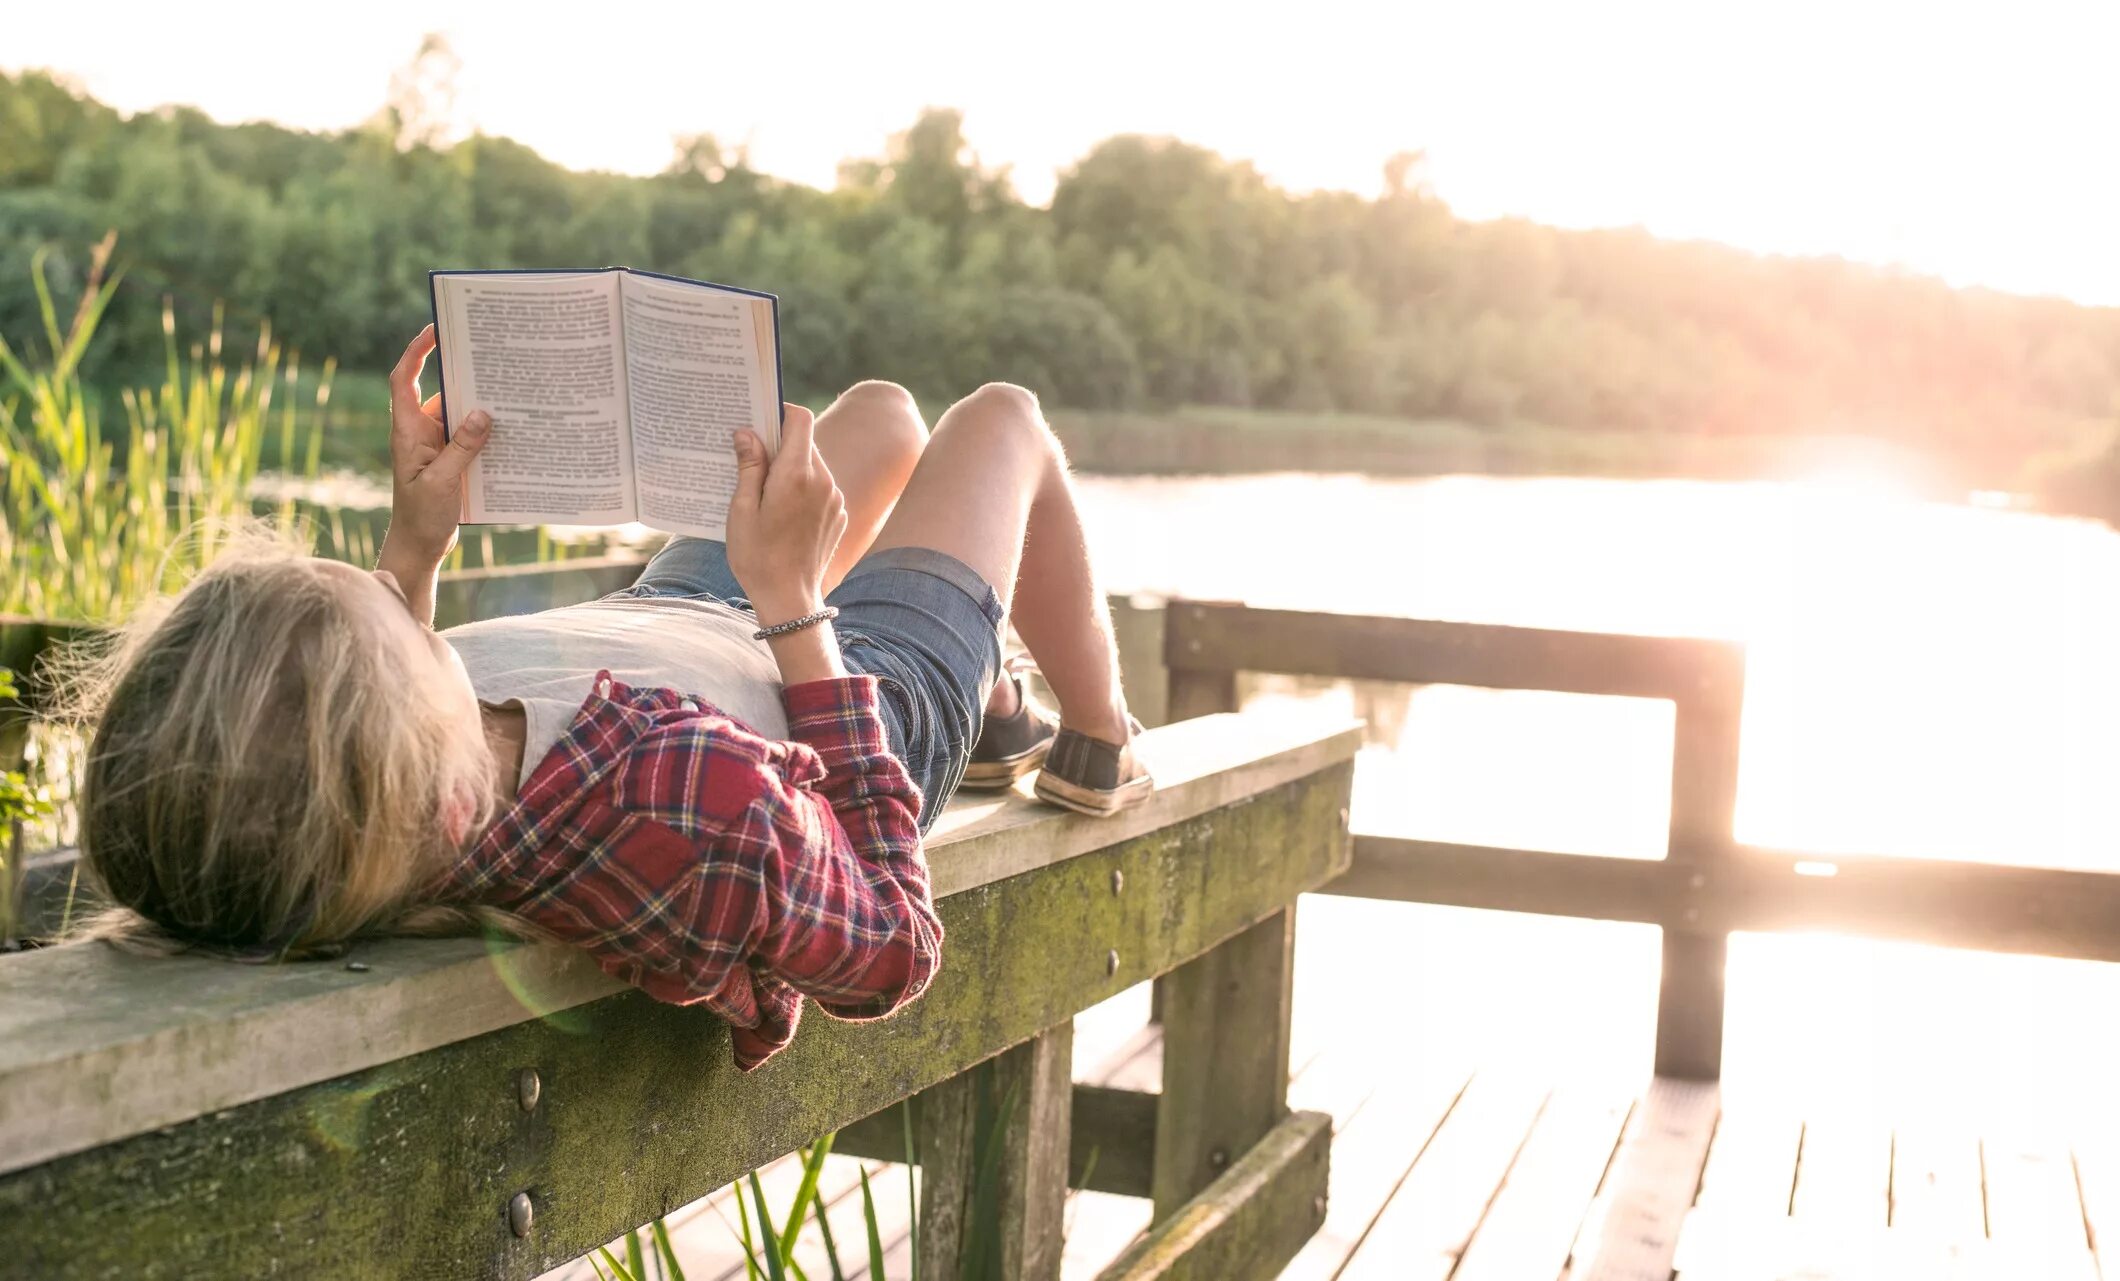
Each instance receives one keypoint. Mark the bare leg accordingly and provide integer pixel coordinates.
(870, 438)
(992, 490)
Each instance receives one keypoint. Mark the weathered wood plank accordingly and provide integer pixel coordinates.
(1192, 688)
(1430, 1219)
(1112, 1146)
(1225, 1057)
(1838, 1211)
(1993, 908)
(1936, 1197)
(1248, 1222)
(2035, 1208)
(1371, 1154)
(1213, 636)
(1651, 1186)
(1741, 1215)
(1198, 694)
(1704, 744)
(95, 1045)
(1012, 1112)
(1585, 886)
(2044, 911)
(1531, 1226)
(1200, 765)
(503, 590)
(408, 1167)
(2098, 1176)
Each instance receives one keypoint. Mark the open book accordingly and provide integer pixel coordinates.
(615, 394)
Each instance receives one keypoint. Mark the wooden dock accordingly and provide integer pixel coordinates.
(1506, 1167)
(1414, 1087)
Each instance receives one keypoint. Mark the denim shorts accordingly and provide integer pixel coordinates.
(924, 623)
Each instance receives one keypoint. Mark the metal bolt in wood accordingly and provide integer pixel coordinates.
(527, 1088)
(1118, 880)
(1111, 961)
(520, 1214)
(1219, 1158)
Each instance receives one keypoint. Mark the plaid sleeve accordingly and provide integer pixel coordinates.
(801, 872)
(875, 806)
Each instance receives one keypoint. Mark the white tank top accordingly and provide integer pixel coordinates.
(547, 660)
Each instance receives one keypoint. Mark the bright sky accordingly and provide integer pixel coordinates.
(1977, 141)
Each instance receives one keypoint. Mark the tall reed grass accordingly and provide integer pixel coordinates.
(92, 520)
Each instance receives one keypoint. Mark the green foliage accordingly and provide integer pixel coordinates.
(1162, 274)
(19, 799)
(88, 527)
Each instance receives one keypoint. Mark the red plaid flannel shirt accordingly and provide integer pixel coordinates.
(702, 863)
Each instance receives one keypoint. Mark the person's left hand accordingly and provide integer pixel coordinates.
(427, 470)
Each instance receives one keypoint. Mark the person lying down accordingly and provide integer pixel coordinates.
(715, 781)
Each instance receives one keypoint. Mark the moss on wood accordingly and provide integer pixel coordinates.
(406, 1169)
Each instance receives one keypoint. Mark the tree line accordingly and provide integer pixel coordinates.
(1160, 274)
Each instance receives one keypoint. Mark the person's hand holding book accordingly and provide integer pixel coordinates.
(785, 521)
(426, 478)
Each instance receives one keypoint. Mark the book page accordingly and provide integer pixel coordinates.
(700, 364)
(542, 355)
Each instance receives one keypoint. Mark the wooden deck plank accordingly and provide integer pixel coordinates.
(1430, 1218)
(1936, 1191)
(1841, 1203)
(2035, 1208)
(2097, 1158)
(1843, 1173)
(1530, 1228)
(1742, 1211)
(1247, 1222)
(1372, 1151)
(1633, 1233)
(96, 1045)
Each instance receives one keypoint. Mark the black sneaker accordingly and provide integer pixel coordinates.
(1010, 746)
(1093, 777)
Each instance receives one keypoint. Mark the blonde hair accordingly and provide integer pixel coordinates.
(264, 779)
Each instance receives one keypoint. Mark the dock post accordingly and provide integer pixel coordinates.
(1017, 1107)
(1704, 751)
(1225, 1057)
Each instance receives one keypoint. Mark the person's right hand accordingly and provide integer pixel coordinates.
(427, 465)
(785, 521)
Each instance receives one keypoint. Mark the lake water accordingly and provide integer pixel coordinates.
(1923, 679)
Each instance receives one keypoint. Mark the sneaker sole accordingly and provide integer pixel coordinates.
(1090, 800)
(999, 776)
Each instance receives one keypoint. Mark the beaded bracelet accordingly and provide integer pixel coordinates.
(825, 615)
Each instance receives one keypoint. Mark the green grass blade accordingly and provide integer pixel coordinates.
(868, 1219)
(617, 1269)
(831, 1247)
(912, 1193)
(766, 1234)
(635, 1263)
(981, 1257)
(750, 1260)
(812, 1166)
(672, 1270)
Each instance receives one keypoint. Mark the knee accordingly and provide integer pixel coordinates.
(875, 393)
(1003, 400)
(1002, 410)
(888, 414)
